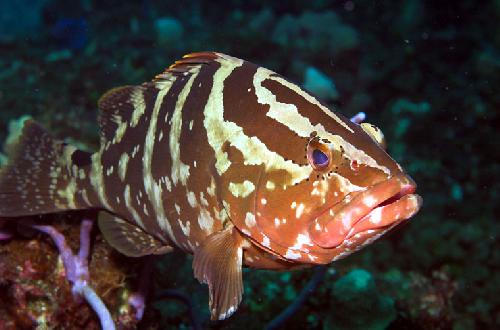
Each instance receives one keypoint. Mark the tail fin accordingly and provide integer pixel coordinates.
(39, 177)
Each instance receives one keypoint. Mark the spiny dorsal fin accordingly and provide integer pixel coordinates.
(128, 239)
(218, 262)
(186, 64)
(116, 107)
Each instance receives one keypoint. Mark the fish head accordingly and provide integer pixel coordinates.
(353, 193)
(326, 188)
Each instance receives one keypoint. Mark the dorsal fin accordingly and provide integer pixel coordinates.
(117, 106)
(121, 105)
(186, 64)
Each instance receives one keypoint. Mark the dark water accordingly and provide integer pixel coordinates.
(426, 72)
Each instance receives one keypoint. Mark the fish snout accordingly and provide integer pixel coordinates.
(380, 206)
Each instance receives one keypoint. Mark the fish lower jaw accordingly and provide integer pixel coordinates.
(378, 207)
(387, 215)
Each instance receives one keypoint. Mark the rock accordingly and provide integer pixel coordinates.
(401, 106)
(358, 303)
(70, 33)
(262, 21)
(410, 17)
(359, 102)
(320, 84)
(20, 18)
(488, 63)
(168, 31)
(315, 32)
(59, 55)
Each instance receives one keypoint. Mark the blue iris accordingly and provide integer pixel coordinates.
(319, 157)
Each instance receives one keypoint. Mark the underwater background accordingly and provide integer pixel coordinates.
(426, 72)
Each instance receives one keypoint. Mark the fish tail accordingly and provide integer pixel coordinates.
(41, 175)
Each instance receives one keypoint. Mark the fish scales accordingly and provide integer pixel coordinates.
(225, 160)
(127, 198)
(197, 153)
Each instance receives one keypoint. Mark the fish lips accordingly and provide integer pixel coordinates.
(382, 205)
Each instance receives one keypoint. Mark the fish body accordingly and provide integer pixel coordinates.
(225, 160)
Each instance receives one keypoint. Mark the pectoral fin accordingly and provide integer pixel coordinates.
(218, 262)
(128, 239)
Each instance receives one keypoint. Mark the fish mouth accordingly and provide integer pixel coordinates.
(382, 205)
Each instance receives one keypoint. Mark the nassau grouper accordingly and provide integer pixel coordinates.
(222, 159)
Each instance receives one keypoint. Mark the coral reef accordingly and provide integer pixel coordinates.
(34, 281)
(11, 27)
(169, 31)
(318, 83)
(356, 293)
(311, 32)
(76, 269)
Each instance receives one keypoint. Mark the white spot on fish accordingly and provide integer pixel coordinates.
(299, 210)
(292, 254)
(311, 257)
(211, 189)
(369, 201)
(205, 220)
(192, 199)
(203, 200)
(135, 150)
(376, 215)
(301, 241)
(109, 171)
(185, 228)
(270, 185)
(346, 220)
(250, 220)
(122, 166)
(266, 242)
(241, 189)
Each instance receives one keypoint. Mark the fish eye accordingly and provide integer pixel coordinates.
(318, 155)
(319, 158)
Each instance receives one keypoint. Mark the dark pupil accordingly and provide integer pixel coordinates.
(319, 157)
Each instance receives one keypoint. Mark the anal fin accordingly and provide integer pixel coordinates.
(129, 239)
(218, 262)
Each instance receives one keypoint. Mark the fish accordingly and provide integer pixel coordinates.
(222, 159)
